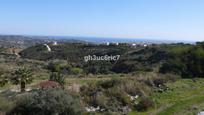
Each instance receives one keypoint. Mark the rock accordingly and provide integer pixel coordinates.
(201, 113)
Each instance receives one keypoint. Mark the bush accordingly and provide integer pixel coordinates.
(76, 71)
(115, 95)
(46, 102)
(172, 77)
(109, 83)
(159, 81)
(58, 77)
(144, 104)
(97, 67)
(3, 80)
(5, 104)
(173, 67)
(58, 66)
(119, 94)
(188, 63)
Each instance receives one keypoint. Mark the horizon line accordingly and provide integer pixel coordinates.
(102, 37)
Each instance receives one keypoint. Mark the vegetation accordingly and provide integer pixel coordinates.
(121, 94)
(58, 77)
(47, 102)
(187, 62)
(185, 96)
(3, 80)
(145, 80)
(182, 59)
(22, 76)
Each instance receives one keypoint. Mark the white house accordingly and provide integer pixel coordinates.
(54, 43)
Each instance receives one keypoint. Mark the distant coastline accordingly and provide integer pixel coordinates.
(121, 40)
(104, 39)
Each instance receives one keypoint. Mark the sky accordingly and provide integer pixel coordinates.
(149, 19)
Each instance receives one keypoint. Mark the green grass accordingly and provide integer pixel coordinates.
(184, 95)
(181, 105)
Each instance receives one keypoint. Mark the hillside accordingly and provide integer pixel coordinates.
(158, 79)
(183, 59)
(72, 51)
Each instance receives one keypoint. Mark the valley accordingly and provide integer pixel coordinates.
(158, 79)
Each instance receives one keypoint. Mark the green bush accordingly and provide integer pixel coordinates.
(58, 66)
(76, 71)
(46, 102)
(109, 83)
(58, 77)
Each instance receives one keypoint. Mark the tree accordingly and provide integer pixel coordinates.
(22, 76)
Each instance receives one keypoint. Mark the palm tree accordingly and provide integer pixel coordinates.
(22, 76)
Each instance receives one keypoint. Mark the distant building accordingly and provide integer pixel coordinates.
(145, 45)
(134, 44)
(55, 43)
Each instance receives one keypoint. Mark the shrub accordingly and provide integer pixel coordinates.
(114, 95)
(97, 67)
(173, 67)
(132, 88)
(144, 104)
(120, 95)
(109, 83)
(5, 104)
(159, 81)
(58, 65)
(58, 77)
(76, 71)
(3, 80)
(46, 102)
(172, 77)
